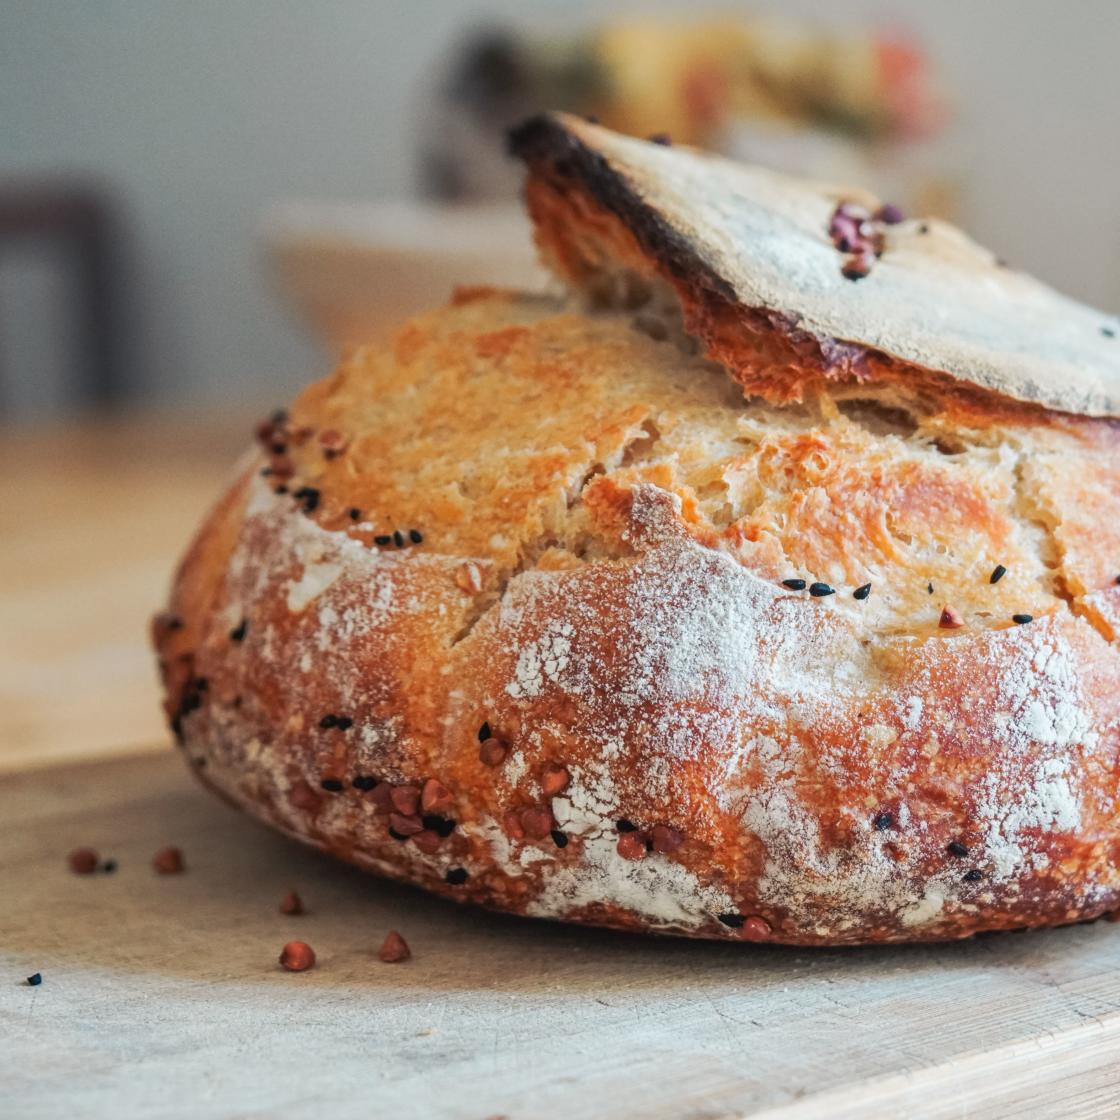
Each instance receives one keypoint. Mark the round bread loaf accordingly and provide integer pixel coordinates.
(667, 607)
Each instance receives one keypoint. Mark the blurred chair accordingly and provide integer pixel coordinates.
(76, 220)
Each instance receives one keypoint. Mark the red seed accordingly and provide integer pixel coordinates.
(168, 861)
(302, 796)
(665, 839)
(554, 779)
(297, 956)
(632, 845)
(382, 797)
(858, 266)
(435, 797)
(291, 903)
(83, 861)
(427, 840)
(950, 619)
(394, 948)
(332, 442)
(406, 825)
(492, 752)
(755, 929)
(537, 822)
(406, 799)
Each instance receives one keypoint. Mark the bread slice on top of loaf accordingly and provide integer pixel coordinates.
(736, 592)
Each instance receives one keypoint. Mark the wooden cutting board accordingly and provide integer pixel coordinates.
(161, 996)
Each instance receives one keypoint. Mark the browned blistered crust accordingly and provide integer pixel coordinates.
(605, 524)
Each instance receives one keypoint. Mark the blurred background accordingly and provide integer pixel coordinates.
(200, 201)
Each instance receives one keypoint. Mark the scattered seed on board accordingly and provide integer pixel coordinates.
(291, 903)
(83, 861)
(297, 956)
(168, 861)
(394, 949)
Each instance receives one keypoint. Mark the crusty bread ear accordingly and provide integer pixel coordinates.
(760, 283)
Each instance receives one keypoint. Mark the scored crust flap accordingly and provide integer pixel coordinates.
(762, 287)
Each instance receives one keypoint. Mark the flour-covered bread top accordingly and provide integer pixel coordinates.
(752, 256)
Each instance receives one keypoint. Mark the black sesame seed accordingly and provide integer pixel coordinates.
(177, 623)
(929, 587)
(732, 920)
(884, 821)
(309, 496)
(281, 489)
(364, 782)
(794, 584)
(1022, 619)
(821, 589)
(924, 227)
(484, 730)
(266, 472)
(397, 835)
(998, 572)
(457, 876)
(237, 634)
(661, 138)
(1108, 332)
(343, 723)
(355, 514)
(398, 538)
(861, 593)
(973, 876)
(110, 865)
(559, 839)
(328, 721)
(416, 536)
(35, 979)
(382, 540)
(442, 826)
(956, 848)
(331, 785)
(624, 825)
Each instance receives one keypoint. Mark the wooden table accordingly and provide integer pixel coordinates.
(92, 519)
(161, 996)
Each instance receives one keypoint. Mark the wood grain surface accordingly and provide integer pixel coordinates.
(95, 515)
(161, 995)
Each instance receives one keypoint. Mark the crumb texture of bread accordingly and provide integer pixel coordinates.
(535, 609)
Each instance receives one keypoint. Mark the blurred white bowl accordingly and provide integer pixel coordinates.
(353, 271)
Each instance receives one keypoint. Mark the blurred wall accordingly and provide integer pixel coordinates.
(200, 113)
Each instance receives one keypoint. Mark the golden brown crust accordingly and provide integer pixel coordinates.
(604, 526)
(749, 256)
